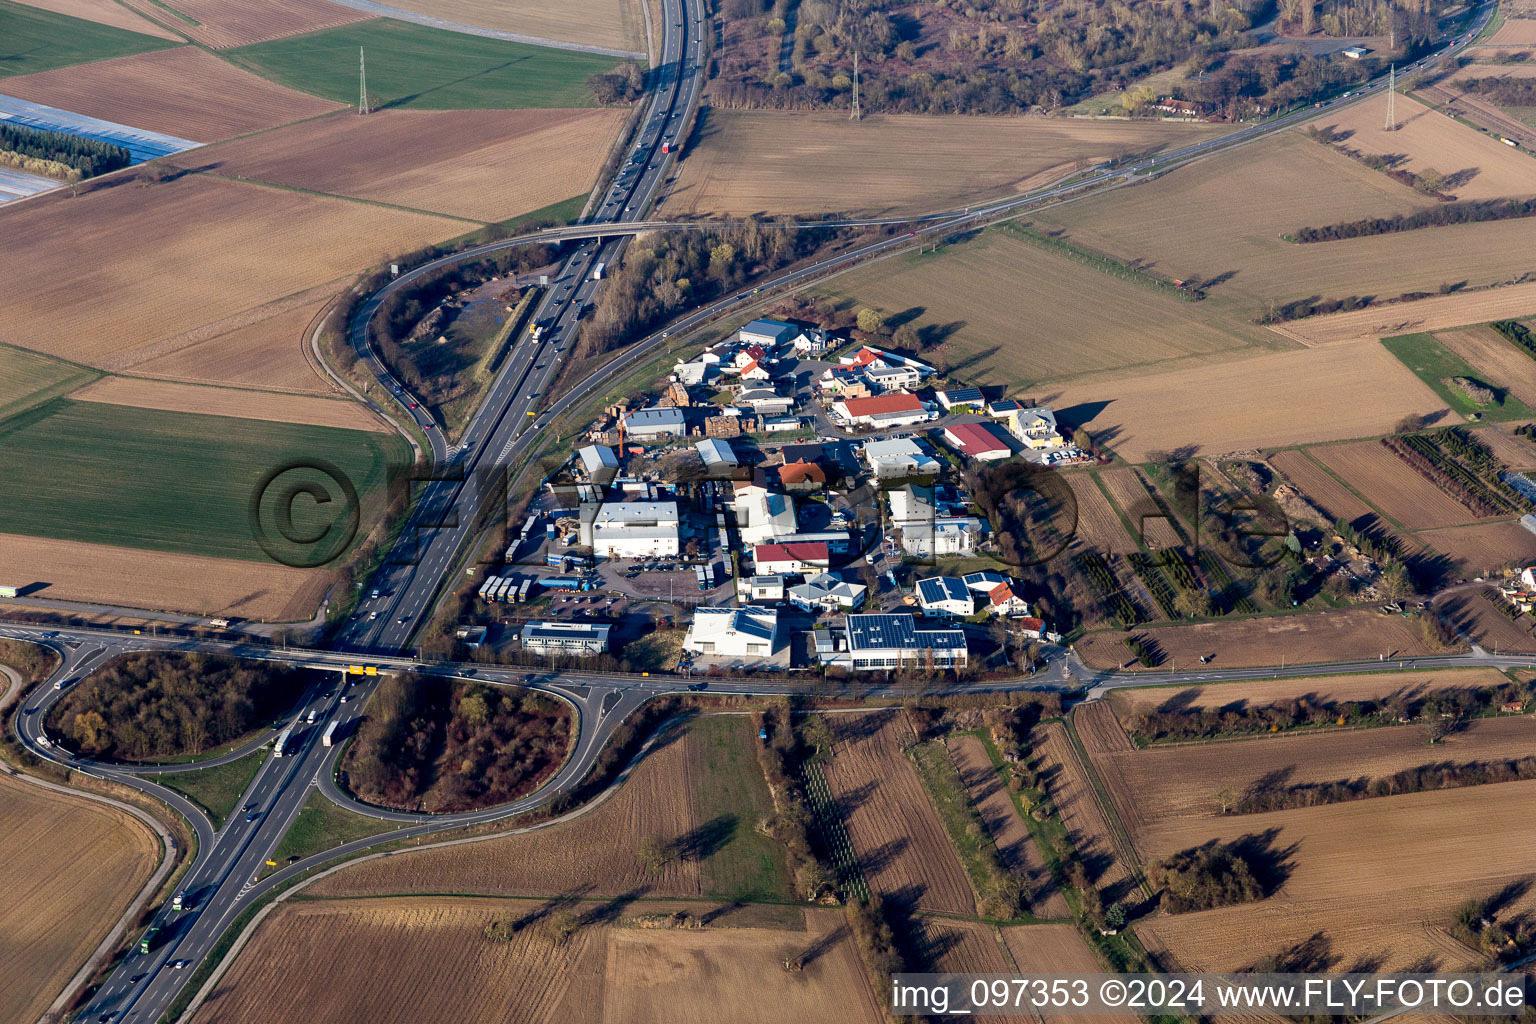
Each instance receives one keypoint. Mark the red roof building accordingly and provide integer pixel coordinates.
(980, 441)
(800, 556)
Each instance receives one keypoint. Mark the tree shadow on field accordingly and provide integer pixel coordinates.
(824, 944)
(705, 840)
(882, 855)
(855, 798)
(568, 898)
(847, 728)
(609, 912)
(1311, 955)
(1271, 863)
(1179, 702)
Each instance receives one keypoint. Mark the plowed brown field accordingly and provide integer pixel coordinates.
(1479, 550)
(1488, 627)
(103, 14)
(186, 92)
(1070, 789)
(1057, 949)
(1130, 702)
(1005, 826)
(896, 834)
(1156, 788)
(69, 868)
(593, 855)
(1379, 879)
(251, 405)
(227, 23)
(1514, 452)
(1498, 360)
(164, 581)
(1430, 140)
(1333, 635)
(1393, 486)
(615, 24)
(268, 353)
(442, 966)
(1320, 486)
(1097, 524)
(486, 165)
(230, 247)
(783, 162)
(1130, 491)
(1272, 400)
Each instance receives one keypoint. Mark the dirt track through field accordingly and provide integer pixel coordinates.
(1005, 826)
(901, 844)
(226, 23)
(103, 14)
(1058, 949)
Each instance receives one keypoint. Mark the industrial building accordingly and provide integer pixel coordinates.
(980, 441)
(572, 639)
(717, 455)
(600, 462)
(746, 633)
(630, 529)
(886, 641)
(790, 559)
(826, 592)
(960, 397)
(770, 334)
(898, 457)
(762, 515)
(649, 424)
(883, 411)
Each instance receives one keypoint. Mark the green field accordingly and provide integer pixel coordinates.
(1000, 309)
(426, 68)
(28, 379)
(218, 789)
(1435, 364)
(730, 797)
(171, 481)
(322, 825)
(33, 40)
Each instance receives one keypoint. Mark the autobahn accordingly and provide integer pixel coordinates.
(225, 876)
(444, 516)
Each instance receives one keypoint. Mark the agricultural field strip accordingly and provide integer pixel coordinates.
(1401, 495)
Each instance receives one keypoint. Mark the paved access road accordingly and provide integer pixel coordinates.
(224, 879)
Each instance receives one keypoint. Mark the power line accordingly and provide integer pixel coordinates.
(362, 83)
(1391, 125)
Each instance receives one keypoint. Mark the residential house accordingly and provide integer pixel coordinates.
(945, 596)
(882, 412)
(869, 356)
(802, 477)
(826, 592)
(885, 379)
(985, 581)
(791, 559)
(755, 371)
(572, 639)
(812, 341)
(980, 441)
(768, 587)
(844, 381)
(1004, 600)
(884, 641)
(743, 633)
(1035, 427)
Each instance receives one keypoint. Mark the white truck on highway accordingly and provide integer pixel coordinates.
(330, 732)
(279, 747)
(597, 271)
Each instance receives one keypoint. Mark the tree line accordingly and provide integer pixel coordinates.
(88, 157)
(1199, 723)
(1505, 92)
(1443, 215)
(666, 273)
(434, 745)
(1422, 779)
(146, 706)
(1518, 333)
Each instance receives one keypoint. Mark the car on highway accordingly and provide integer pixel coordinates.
(253, 815)
(372, 616)
(177, 965)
